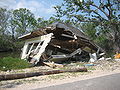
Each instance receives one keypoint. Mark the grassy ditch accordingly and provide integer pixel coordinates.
(10, 63)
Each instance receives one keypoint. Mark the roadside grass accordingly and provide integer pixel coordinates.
(91, 68)
(10, 63)
(105, 65)
(47, 78)
(56, 76)
(71, 74)
(66, 75)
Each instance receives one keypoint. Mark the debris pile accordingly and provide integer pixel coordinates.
(57, 42)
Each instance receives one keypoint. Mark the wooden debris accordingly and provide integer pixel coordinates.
(60, 41)
(53, 65)
(26, 75)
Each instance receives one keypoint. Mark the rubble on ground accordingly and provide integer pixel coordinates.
(109, 65)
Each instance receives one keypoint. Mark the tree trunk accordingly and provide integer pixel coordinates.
(117, 39)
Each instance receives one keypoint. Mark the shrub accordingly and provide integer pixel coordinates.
(9, 63)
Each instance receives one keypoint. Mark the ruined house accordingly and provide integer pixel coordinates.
(57, 42)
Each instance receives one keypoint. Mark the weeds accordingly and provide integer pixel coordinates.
(9, 63)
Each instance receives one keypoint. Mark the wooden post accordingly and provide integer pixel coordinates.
(32, 74)
(24, 51)
(43, 46)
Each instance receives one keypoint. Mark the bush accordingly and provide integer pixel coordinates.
(9, 63)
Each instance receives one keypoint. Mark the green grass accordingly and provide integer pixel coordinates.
(10, 63)
(91, 68)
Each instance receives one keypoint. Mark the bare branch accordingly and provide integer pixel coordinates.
(110, 9)
(96, 13)
(100, 10)
(86, 20)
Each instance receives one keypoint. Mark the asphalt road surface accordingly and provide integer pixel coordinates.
(109, 82)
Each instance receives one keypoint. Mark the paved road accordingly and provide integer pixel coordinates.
(109, 82)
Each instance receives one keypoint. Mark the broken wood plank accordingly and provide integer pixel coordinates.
(53, 65)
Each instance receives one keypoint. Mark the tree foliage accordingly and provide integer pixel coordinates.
(14, 23)
(104, 13)
(24, 21)
(4, 21)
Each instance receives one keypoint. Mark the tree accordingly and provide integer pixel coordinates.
(4, 16)
(4, 21)
(41, 22)
(89, 29)
(14, 23)
(24, 21)
(104, 13)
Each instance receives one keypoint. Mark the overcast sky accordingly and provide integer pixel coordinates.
(41, 8)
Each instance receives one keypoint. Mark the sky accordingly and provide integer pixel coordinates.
(40, 8)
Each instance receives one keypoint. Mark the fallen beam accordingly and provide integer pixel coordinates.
(32, 74)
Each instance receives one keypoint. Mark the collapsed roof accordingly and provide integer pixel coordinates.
(66, 38)
(61, 31)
